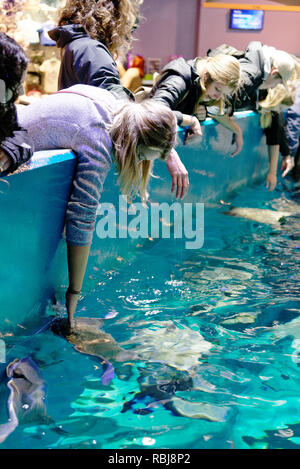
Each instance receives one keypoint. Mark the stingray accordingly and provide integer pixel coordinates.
(266, 216)
(166, 342)
(170, 352)
(26, 398)
(289, 329)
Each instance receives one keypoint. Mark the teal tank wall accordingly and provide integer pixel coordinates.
(213, 173)
(33, 202)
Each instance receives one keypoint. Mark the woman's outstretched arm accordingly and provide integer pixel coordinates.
(77, 262)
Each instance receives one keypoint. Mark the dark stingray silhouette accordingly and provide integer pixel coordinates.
(169, 352)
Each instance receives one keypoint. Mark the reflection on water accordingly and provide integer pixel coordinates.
(213, 342)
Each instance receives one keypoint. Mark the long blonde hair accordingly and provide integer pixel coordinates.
(149, 123)
(288, 65)
(222, 68)
(276, 96)
(108, 21)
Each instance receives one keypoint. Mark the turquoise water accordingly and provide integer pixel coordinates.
(216, 337)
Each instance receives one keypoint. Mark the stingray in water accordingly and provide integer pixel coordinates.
(26, 398)
(166, 342)
(170, 352)
(269, 217)
(289, 329)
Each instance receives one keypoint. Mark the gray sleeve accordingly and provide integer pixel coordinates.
(93, 151)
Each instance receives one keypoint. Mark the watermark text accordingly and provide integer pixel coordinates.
(158, 220)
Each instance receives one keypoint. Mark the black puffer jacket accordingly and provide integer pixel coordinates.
(86, 61)
(252, 71)
(178, 87)
(19, 148)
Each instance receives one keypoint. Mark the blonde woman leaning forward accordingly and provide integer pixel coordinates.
(100, 131)
(189, 87)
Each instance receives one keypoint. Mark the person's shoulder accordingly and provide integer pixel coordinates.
(88, 45)
(100, 99)
(254, 46)
(87, 90)
(179, 67)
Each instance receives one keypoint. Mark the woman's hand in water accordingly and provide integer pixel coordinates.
(5, 161)
(179, 174)
(71, 304)
(287, 164)
(77, 262)
(271, 181)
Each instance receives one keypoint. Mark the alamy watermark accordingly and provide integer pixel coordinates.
(157, 220)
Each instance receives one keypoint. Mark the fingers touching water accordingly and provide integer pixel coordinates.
(179, 175)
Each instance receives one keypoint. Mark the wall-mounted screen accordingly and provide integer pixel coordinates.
(247, 19)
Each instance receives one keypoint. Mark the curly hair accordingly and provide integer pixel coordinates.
(13, 64)
(108, 21)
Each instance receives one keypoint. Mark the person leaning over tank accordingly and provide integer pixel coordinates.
(90, 34)
(262, 68)
(16, 146)
(100, 130)
(189, 87)
(272, 121)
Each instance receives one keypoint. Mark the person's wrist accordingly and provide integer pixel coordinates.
(191, 121)
(188, 121)
(172, 155)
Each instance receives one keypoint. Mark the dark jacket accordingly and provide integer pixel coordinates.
(252, 72)
(178, 87)
(276, 133)
(86, 61)
(249, 95)
(19, 148)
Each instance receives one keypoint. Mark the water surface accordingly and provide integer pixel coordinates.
(217, 331)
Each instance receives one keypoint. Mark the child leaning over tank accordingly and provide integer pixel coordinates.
(101, 130)
(189, 87)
